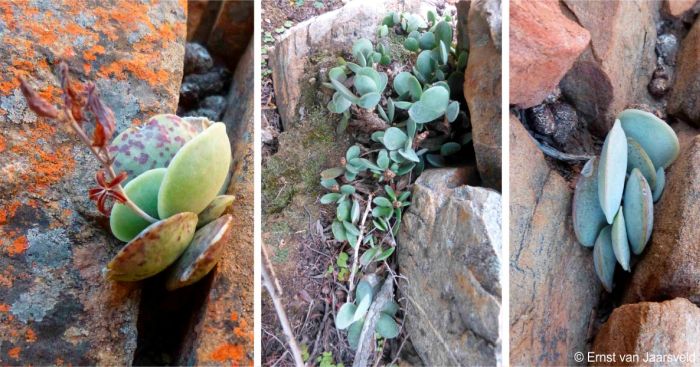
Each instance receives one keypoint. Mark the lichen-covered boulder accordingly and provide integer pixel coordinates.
(55, 305)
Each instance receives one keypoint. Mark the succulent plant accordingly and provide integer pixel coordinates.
(613, 205)
(172, 169)
(351, 315)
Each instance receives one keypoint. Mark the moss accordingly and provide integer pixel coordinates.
(399, 53)
(307, 148)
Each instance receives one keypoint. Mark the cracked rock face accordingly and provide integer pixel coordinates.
(55, 306)
(551, 276)
(449, 249)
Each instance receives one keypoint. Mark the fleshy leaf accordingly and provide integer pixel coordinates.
(612, 170)
(588, 217)
(143, 191)
(604, 258)
(639, 211)
(153, 145)
(660, 184)
(345, 316)
(387, 327)
(196, 173)
(202, 254)
(620, 244)
(653, 134)
(214, 210)
(154, 249)
(638, 158)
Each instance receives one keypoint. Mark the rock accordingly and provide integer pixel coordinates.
(551, 275)
(217, 104)
(223, 332)
(541, 119)
(201, 15)
(55, 306)
(683, 101)
(482, 90)
(449, 245)
(677, 8)
(650, 330)
(331, 33)
(544, 45)
(197, 59)
(621, 58)
(667, 48)
(462, 15)
(670, 265)
(658, 87)
(566, 120)
(205, 84)
(555, 121)
(231, 31)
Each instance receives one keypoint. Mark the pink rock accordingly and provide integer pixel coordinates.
(543, 46)
(648, 330)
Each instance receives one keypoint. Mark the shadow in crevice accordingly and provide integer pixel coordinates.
(166, 320)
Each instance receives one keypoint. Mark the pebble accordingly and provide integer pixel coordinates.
(197, 59)
(542, 119)
(215, 103)
(566, 120)
(212, 82)
(658, 87)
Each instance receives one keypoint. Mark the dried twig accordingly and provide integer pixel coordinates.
(364, 347)
(357, 248)
(268, 281)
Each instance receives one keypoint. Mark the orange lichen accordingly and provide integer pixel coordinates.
(18, 246)
(30, 336)
(228, 352)
(14, 353)
(234, 316)
(48, 165)
(6, 279)
(4, 307)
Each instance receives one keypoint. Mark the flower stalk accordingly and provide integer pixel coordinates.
(75, 100)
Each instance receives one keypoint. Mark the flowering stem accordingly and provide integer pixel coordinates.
(106, 162)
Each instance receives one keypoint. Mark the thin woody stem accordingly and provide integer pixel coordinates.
(106, 162)
(357, 248)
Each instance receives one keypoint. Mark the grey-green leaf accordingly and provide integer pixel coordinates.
(620, 244)
(612, 171)
(604, 258)
(588, 217)
(345, 316)
(653, 134)
(387, 327)
(660, 184)
(394, 138)
(638, 158)
(639, 211)
(354, 333)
